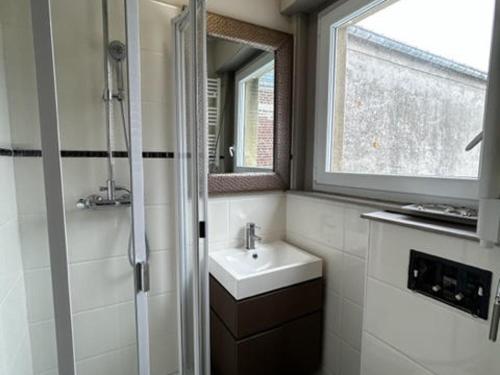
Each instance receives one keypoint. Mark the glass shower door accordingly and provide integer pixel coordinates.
(31, 283)
(97, 62)
(97, 316)
(190, 73)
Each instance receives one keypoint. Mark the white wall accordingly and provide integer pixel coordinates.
(408, 333)
(387, 329)
(335, 232)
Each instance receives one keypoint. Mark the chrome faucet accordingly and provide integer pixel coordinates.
(495, 316)
(250, 236)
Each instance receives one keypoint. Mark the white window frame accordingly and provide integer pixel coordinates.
(383, 186)
(249, 71)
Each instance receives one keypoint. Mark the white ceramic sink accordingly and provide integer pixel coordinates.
(247, 273)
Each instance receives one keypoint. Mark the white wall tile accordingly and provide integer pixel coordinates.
(332, 307)
(21, 85)
(158, 126)
(440, 339)
(390, 248)
(331, 353)
(218, 220)
(100, 283)
(22, 362)
(5, 138)
(3, 357)
(164, 356)
(156, 33)
(8, 209)
(13, 322)
(30, 186)
(351, 327)
(34, 241)
(43, 344)
(333, 269)
(80, 76)
(266, 210)
(320, 220)
(155, 77)
(120, 362)
(163, 272)
(15, 13)
(350, 360)
(80, 84)
(11, 270)
(163, 314)
(97, 234)
(163, 333)
(336, 233)
(356, 232)
(228, 215)
(159, 179)
(50, 372)
(103, 330)
(380, 359)
(160, 227)
(353, 280)
(39, 294)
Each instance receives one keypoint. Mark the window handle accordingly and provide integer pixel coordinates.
(231, 151)
(475, 141)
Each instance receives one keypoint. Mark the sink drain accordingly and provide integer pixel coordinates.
(255, 256)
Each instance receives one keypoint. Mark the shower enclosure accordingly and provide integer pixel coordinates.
(103, 188)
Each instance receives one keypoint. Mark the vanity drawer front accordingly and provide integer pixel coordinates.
(293, 348)
(260, 313)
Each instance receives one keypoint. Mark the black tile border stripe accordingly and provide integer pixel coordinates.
(27, 153)
(85, 154)
(6, 152)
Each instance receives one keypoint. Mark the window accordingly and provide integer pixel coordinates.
(255, 115)
(405, 94)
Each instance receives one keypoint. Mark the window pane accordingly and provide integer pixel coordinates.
(258, 119)
(410, 85)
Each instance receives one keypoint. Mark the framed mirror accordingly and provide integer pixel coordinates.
(249, 106)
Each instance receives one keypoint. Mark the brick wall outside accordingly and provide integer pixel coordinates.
(265, 128)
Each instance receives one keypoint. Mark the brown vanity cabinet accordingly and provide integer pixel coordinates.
(278, 332)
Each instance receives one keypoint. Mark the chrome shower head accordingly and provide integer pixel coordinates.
(117, 50)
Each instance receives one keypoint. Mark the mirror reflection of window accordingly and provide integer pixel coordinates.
(255, 115)
(241, 101)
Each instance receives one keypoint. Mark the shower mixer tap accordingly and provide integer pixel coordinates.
(112, 199)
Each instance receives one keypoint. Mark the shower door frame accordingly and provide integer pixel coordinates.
(52, 174)
(141, 256)
(53, 180)
(192, 189)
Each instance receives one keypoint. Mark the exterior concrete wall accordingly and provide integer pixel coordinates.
(407, 115)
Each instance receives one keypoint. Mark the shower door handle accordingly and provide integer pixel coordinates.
(142, 276)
